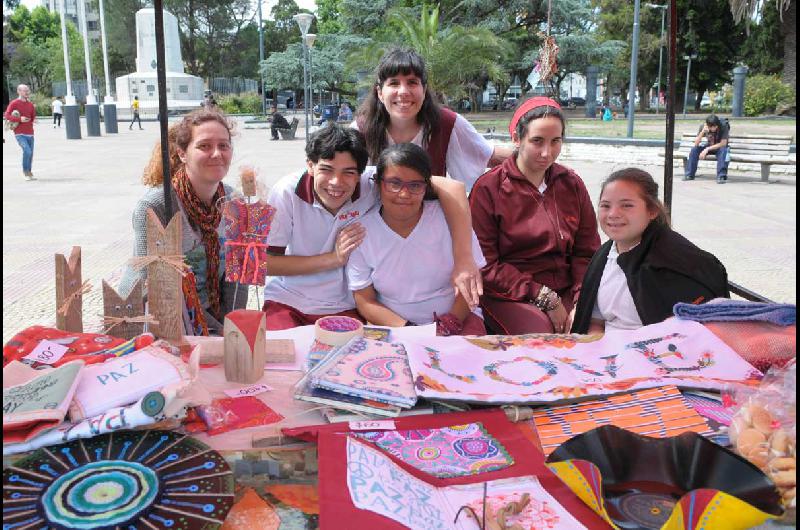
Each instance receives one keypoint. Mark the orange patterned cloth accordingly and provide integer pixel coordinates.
(658, 412)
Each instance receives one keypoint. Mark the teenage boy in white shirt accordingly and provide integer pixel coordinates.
(316, 228)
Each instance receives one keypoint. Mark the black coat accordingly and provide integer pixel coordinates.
(662, 270)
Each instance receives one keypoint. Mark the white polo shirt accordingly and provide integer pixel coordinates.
(468, 152)
(411, 275)
(304, 227)
(614, 301)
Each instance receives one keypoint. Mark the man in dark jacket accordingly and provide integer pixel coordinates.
(278, 122)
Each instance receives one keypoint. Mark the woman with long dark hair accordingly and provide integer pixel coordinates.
(401, 109)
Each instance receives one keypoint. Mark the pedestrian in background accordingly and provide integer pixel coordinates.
(711, 140)
(58, 111)
(135, 109)
(20, 114)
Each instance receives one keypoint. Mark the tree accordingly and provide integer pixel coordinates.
(476, 51)
(746, 10)
(762, 51)
(705, 29)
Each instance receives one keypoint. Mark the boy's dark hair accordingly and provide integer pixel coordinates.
(714, 120)
(407, 155)
(334, 138)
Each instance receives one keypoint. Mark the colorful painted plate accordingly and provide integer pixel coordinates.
(682, 482)
(127, 480)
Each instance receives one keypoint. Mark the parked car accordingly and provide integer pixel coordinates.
(509, 103)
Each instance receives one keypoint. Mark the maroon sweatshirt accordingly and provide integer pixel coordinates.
(25, 108)
(529, 238)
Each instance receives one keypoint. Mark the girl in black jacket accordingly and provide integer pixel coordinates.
(636, 277)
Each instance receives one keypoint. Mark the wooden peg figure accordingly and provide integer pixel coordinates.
(69, 297)
(245, 345)
(117, 307)
(164, 291)
(248, 176)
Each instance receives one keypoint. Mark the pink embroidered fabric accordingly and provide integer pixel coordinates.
(245, 230)
(448, 452)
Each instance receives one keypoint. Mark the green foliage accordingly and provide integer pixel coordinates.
(477, 52)
(763, 94)
(243, 104)
(762, 51)
(42, 104)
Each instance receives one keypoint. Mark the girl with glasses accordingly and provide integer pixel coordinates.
(400, 274)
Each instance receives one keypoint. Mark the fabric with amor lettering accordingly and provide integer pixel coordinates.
(544, 367)
(35, 401)
(123, 380)
(452, 451)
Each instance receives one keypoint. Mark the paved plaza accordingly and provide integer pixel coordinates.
(86, 190)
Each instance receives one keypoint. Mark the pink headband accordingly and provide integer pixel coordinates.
(538, 101)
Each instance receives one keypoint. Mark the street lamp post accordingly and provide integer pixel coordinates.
(109, 107)
(261, 60)
(634, 61)
(309, 42)
(304, 22)
(663, 9)
(688, 72)
(72, 116)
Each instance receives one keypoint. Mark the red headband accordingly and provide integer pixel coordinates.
(538, 101)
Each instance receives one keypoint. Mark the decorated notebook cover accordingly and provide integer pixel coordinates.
(658, 412)
(35, 401)
(542, 368)
(369, 369)
(452, 451)
(346, 401)
(379, 485)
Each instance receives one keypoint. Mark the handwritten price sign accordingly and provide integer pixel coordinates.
(47, 352)
(251, 390)
(372, 425)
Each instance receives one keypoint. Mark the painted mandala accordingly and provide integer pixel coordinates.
(127, 480)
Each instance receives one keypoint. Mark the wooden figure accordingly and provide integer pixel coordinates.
(116, 307)
(245, 345)
(248, 176)
(69, 292)
(164, 291)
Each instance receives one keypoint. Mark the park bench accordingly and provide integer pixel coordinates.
(765, 150)
(287, 133)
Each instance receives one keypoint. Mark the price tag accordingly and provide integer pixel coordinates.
(251, 390)
(47, 352)
(372, 425)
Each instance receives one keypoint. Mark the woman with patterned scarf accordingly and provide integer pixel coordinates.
(200, 155)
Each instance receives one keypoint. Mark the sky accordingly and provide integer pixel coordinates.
(266, 7)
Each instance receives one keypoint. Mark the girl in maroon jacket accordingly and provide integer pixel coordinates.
(536, 226)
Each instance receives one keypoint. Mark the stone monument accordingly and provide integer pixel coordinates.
(184, 91)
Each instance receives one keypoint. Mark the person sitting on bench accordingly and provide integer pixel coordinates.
(711, 140)
(278, 122)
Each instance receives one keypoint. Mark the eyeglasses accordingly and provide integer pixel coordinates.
(415, 187)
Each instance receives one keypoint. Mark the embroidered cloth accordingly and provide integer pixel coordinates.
(446, 452)
(246, 227)
(541, 368)
(379, 485)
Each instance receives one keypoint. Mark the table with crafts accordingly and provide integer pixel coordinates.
(398, 428)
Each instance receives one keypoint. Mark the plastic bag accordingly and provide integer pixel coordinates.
(764, 428)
